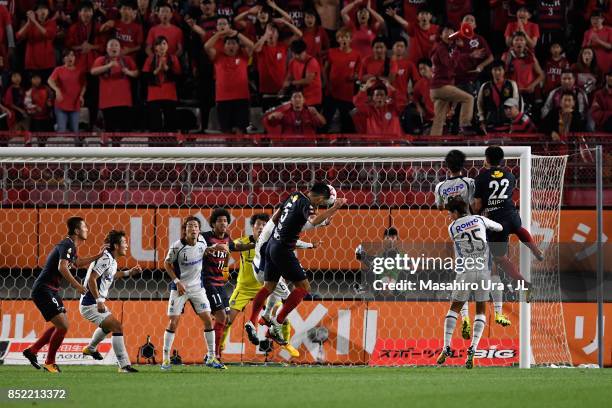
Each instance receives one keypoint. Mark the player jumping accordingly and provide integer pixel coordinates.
(45, 292)
(184, 266)
(280, 257)
(469, 235)
(100, 276)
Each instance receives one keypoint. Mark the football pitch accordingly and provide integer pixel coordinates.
(346, 387)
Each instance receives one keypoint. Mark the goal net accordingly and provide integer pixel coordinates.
(344, 320)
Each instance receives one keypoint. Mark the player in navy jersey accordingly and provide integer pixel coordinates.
(45, 292)
(493, 196)
(280, 258)
(214, 265)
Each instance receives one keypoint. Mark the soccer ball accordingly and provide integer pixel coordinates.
(332, 195)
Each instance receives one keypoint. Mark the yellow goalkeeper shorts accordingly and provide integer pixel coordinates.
(242, 296)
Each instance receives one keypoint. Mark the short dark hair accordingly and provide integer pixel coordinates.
(113, 238)
(41, 4)
(379, 39)
(456, 204)
(67, 51)
(425, 61)
(298, 46)
(567, 71)
(494, 155)
(498, 64)
(217, 213)
(390, 232)
(228, 39)
(380, 87)
(161, 4)
(85, 4)
(159, 39)
(321, 189)
(128, 3)
(259, 217)
(400, 39)
(73, 223)
(518, 34)
(568, 93)
(455, 159)
(189, 219)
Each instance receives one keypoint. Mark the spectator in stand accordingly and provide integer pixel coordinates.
(68, 83)
(232, 82)
(492, 96)
(39, 33)
(568, 84)
(263, 14)
(315, 36)
(144, 16)
(565, 119)
(456, 10)
(377, 110)
(553, 68)
(7, 36)
(272, 63)
(422, 35)
(519, 121)
(328, 11)
(599, 37)
(423, 116)
(115, 71)
(522, 24)
(404, 71)
(173, 34)
(14, 99)
(126, 30)
(38, 104)
(341, 73)
(83, 37)
(411, 10)
(523, 67)
(445, 61)
(304, 73)
(588, 74)
(552, 20)
(475, 57)
(378, 64)
(601, 109)
(161, 71)
(367, 26)
(294, 118)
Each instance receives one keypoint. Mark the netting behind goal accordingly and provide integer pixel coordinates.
(343, 321)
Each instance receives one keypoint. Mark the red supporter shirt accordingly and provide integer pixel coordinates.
(214, 263)
(77, 34)
(362, 37)
(129, 35)
(456, 9)
(552, 71)
(466, 63)
(343, 67)
(40, 53)
(5, 20)
(293, 122)
(171, 32)
(411, 9)
(231, 75)
(378, 121)
(604, 56)
(115, 86)
(70, 81)
(532, 29)
(404, 71)
(445, 60)
(421, 41)
(164, 88)
(313, 93)
(420, 94)
(521, 70)
(39, 98)
(374, 67)
(272, 68)
(317, 42)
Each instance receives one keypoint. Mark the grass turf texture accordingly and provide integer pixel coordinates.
(351, 387)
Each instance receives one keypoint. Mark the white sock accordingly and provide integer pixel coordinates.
(98, 335)
(464, 310)
(168, 340)
(209, 335)
(119, 349)
(479, 324)
(449, 327)
(272, 300)
(497, 295)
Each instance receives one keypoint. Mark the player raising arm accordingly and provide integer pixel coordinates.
(100, 276)
(45, 292)
(469, 235)
(184, 266)
(280, 257)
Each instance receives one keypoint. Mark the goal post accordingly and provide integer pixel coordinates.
(116, 186)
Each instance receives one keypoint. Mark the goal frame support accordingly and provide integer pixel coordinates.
(323, 154)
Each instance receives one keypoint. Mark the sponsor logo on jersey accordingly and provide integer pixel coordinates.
(497, 174)
(466, 225)
(452, 190)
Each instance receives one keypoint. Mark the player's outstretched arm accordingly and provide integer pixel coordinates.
(239, 247)
(81, 262)
(64, 268)
(307, 245)
(130, 272)
(492, 225)
(319, 218)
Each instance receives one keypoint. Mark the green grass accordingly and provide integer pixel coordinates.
(316, 387)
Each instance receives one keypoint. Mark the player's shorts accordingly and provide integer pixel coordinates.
(241, 296)
(480, 278)
(48, 301)
(197, 297)
(282, 262)
(90, 312)
(217, 298)
(498, 241)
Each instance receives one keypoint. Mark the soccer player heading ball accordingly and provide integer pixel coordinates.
(280, 258)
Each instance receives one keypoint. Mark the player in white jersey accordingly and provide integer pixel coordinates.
(472, 264)
(183, 264)
(100, 276)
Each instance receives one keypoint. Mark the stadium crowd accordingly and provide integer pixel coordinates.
(384, 67)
